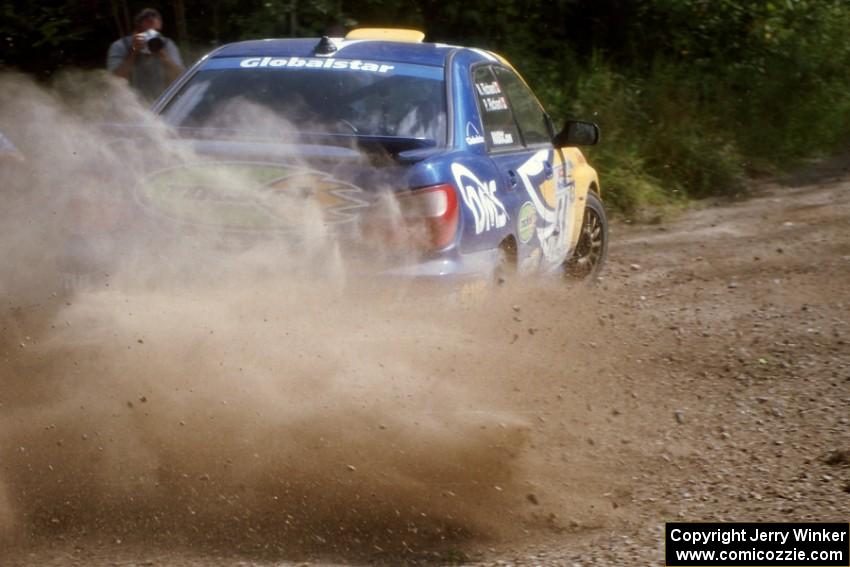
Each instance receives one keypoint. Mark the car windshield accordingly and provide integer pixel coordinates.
(261, 95)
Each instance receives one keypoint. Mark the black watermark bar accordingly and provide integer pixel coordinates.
(691, 544)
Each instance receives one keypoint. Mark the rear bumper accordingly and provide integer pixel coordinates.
(477, 265)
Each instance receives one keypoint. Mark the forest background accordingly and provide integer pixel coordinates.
(694, 97)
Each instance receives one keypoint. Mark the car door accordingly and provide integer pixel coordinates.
(519, 142)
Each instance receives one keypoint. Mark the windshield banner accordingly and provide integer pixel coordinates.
(325, 64)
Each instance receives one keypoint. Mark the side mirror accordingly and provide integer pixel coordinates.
(577, 133)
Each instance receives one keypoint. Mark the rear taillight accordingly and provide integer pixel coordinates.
(431, 215)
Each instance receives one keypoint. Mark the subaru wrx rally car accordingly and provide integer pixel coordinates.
(481, 178)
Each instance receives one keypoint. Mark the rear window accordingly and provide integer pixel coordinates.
(262, 95)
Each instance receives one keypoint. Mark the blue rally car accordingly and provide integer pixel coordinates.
(480, 178)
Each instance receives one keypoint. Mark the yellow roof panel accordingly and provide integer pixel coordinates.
(387, 34)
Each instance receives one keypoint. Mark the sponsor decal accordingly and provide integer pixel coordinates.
(553, 228)
(249, 196)
(526, 222)
(315, 63)
(473, 136)
(488, 88)
(495, 103)
(501, 138)
(481, 200)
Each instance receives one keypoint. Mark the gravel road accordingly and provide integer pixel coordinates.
(706, 378)
(733, 324)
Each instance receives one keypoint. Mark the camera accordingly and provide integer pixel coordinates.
(153, 42)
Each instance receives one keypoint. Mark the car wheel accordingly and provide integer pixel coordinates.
(592, 247)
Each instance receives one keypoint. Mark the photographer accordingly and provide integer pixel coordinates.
(149, 60)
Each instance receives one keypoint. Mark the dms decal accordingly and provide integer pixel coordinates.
(249, 196)
(473, 136)
(302, 63)
(481, 200)
(553, 229)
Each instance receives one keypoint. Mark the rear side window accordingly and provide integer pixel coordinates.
(500, 129)
(527, 111)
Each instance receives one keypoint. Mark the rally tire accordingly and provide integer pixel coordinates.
(591, 249)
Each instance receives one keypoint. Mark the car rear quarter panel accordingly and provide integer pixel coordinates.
(465, 136)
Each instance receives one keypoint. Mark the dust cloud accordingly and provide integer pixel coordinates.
(251, 396)
(233, 413)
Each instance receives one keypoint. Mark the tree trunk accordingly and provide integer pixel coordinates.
(293, 19)
(180, 21)
(121, 17)
(216, 22)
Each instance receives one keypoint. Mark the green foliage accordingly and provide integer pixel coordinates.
(703, 92)
(41, 27)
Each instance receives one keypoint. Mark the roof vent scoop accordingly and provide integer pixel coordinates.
(325, 46)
